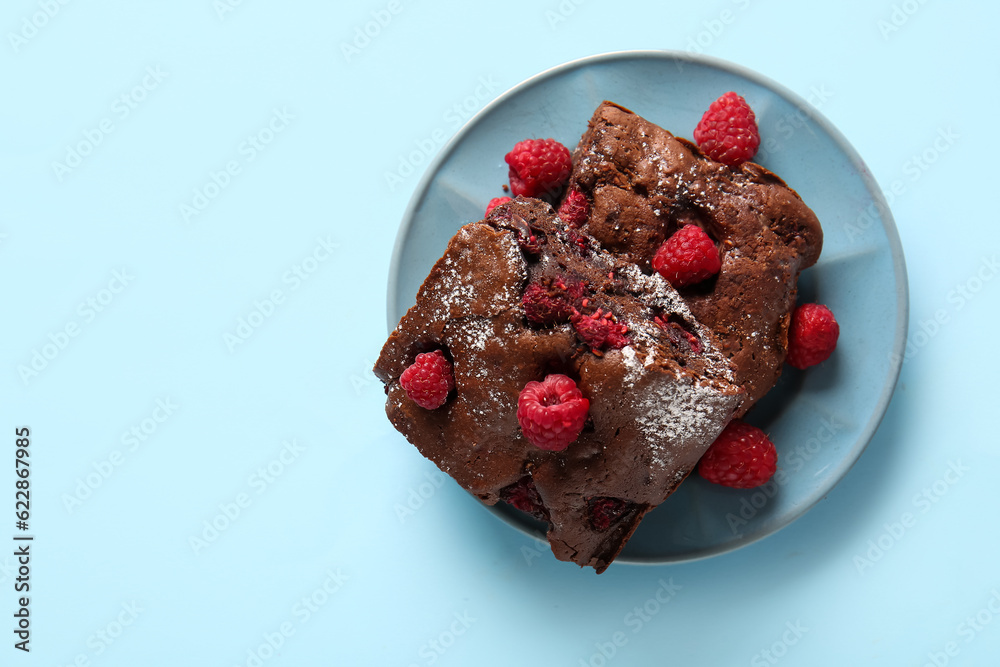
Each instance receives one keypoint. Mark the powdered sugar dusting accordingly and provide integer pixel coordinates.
(634, 369)
(674, 413)
(459, 292)
(476, 332)
(674, 416)
(662, 295)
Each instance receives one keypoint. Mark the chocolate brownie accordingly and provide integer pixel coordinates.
(643, 184)
(659, 389)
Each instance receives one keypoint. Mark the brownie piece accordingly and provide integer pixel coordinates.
(643, 184)
(658, 397)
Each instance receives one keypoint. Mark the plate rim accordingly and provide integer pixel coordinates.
(871, 185)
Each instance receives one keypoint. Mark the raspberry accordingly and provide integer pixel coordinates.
(552, 302)
(538, 166)
(605, 511)
(552, 412)
(741, 457)
(728, 131)
(526, 236)
(428, 380)
(577, 241)
(812, 335)
(600, 330)
(523, 495)
(680, 337)
(687, 257)
(574, 209)
(496, 201)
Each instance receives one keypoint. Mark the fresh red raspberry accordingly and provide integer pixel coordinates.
(552, 412)
(687, 257)
(812, 335)
(552, 302)
(728, 131)
(574, 208)
(600, 330)
(538, 166)
(741, 457)
(496, 201)
(428, 380)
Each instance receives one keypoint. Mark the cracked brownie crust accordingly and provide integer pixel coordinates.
(643, 184)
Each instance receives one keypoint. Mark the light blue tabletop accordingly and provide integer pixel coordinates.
(198, 204)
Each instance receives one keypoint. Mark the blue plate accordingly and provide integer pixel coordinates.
(820, 419)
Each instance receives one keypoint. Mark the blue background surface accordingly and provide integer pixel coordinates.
(205, 293)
